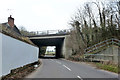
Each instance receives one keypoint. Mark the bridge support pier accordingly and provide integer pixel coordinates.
(59, 51)
(66, 47)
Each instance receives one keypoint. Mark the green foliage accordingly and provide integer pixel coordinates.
(111, 68)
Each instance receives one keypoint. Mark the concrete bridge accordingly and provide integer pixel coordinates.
(59, 40)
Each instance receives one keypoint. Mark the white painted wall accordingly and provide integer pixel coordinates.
(16, 53)
(0, 54)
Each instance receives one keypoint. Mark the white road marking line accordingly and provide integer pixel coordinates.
(58, 62)
(51, 60)
(79, 77)
(67, 67)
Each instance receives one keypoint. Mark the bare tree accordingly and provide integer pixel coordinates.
(90, 28)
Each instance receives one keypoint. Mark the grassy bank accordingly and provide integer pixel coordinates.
(112, 68)
(104, 66)
(9, 32)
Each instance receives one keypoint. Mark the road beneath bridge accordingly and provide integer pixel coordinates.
(57, 40)
(68, 70)
(64, 69)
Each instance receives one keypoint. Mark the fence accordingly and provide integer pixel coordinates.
(102, 44)
(48, 32)
(15, 53)
(103, 51)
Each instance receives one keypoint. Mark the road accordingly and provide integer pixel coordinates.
(59, 68)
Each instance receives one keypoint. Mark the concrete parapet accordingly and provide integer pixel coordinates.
(111, 53)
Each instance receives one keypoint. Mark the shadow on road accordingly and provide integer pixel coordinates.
(50, 57)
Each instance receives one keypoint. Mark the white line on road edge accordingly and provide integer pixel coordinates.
(79, 77)
(51, 59)
(58, 62)
(67, 67)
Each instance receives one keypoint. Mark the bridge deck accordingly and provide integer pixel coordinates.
(48, 35)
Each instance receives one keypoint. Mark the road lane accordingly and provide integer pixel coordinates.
(87, 71)
(59, 68)
(51, 69)
(67, 67)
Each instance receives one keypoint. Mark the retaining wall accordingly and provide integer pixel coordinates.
(15, 53)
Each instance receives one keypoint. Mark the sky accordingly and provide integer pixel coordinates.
(40, 15)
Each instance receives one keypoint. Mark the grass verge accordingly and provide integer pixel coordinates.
(109, 67)
(112, 68)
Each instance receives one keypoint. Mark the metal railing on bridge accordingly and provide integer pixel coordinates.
(93, 53)
(102, 44)
(49, 32)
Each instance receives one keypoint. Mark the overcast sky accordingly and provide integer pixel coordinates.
(38, 15)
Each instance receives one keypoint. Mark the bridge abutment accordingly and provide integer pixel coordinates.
(62, 43)
(66, 48)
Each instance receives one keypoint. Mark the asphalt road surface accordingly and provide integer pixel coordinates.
(64, 69)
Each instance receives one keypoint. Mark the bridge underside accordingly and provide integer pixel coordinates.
(58, 42)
